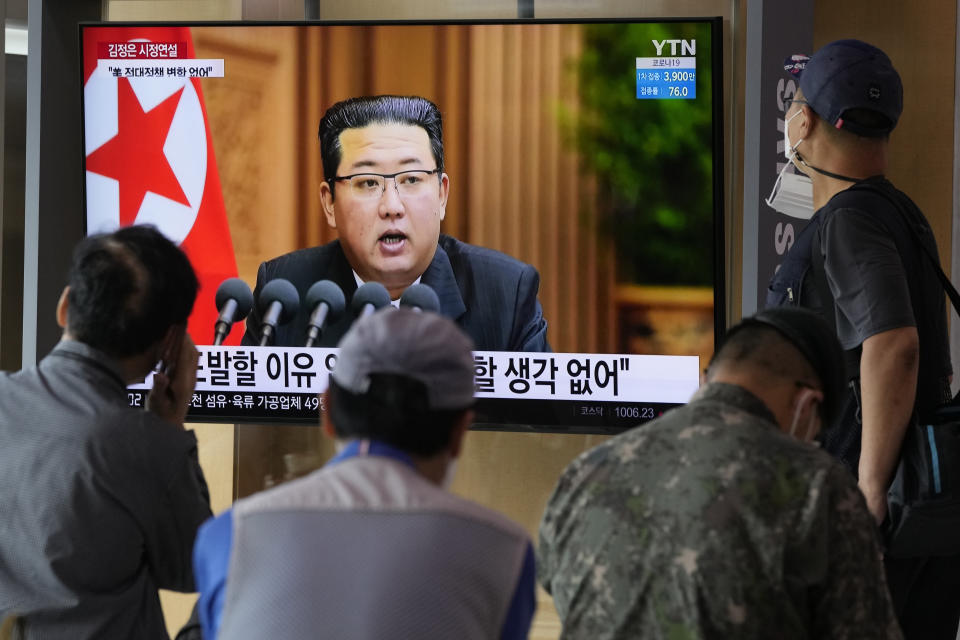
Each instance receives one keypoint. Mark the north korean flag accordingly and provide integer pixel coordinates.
(150, 159)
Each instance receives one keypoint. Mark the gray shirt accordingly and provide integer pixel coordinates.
(865, 275)
(100, 502)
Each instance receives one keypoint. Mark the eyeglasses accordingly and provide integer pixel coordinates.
(789, 102)
(370, 186)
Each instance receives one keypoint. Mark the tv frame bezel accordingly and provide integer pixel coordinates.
(717, 124)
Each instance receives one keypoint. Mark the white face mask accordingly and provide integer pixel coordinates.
(792, 193)
(811, 422)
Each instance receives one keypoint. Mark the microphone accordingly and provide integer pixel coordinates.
(279, 302)
(420, 297)
(369, 297)
(326, 300)
(234, 302)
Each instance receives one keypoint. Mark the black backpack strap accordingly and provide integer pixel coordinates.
(894, 198)
(819, 273)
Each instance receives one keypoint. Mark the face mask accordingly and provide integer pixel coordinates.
(789, 150)
(812, 422)
(792, 193)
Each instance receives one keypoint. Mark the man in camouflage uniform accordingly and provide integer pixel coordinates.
(719, 519)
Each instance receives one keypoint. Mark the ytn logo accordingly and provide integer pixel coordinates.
(687, 47)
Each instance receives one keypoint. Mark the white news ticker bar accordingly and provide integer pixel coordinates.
(193, 67)
(667, 62)
(500, 374)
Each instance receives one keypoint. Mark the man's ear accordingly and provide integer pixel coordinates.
(63, 307)
(808, 123)
(809, 414)
(444, 194)
(459, 433)
(326, 201)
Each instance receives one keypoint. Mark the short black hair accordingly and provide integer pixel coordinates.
(763, 347)
(355, 113)
(127, 288)
(395, 410)
(788, 342)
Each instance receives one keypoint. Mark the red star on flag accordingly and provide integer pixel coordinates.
(134, 157)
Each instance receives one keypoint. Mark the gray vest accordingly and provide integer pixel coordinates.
(368, 548)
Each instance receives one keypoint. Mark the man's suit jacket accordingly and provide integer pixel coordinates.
(492, 296)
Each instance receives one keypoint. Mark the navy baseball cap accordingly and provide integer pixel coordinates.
(850, 74)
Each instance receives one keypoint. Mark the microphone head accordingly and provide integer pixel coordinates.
(329, 292)
(369, 293)
(237, 290)
(280, 290)
(420, 296)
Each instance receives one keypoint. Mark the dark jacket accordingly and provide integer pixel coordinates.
(492, 296)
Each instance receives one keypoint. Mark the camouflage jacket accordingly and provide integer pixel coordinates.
(710, 522)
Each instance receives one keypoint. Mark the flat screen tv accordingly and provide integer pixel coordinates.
(590, 150)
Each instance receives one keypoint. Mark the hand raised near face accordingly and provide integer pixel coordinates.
(173, 385)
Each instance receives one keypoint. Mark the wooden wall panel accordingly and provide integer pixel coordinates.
(417, 9)
(313, 226)
(254, 120)
(453, 93)
(397, 68)
(527, 195)
(173, 10)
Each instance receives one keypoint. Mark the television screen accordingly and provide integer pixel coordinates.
(578, 202)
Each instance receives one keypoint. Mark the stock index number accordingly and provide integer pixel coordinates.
(641, 413)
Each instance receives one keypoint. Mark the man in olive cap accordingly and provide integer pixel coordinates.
(720, 519)
(870, 279)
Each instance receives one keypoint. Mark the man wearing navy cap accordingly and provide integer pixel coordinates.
(869, 277)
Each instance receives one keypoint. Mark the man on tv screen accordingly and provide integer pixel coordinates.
(385, 192)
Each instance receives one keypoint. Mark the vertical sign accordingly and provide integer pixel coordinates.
(775, 30)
